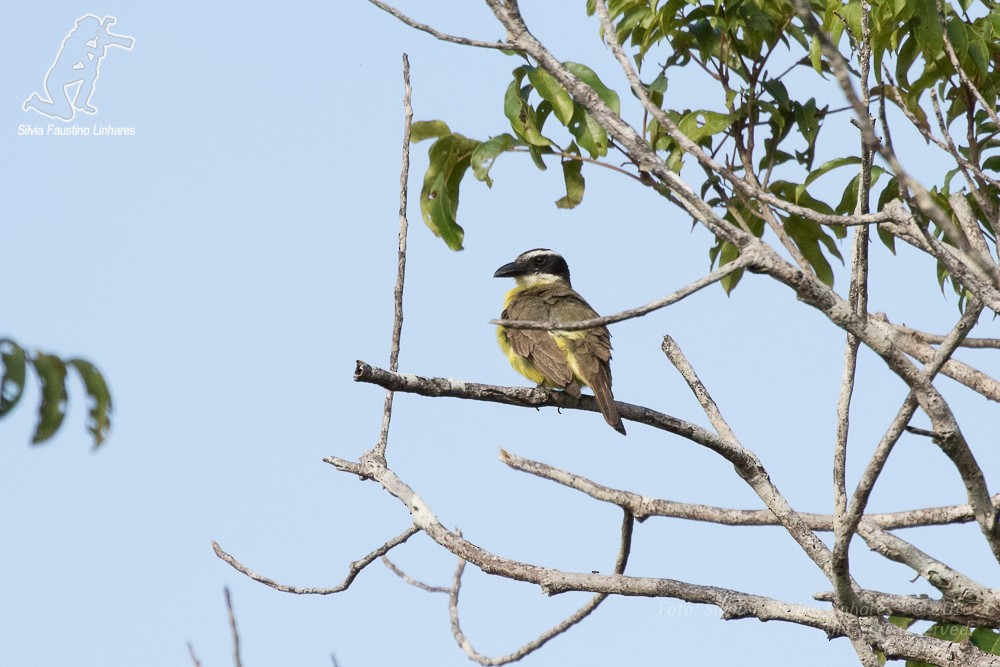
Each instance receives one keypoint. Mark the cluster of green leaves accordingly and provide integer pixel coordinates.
(763, 127)
(734, 41)
(908, 36)
(51, 372)
(532, 97)
(730, 33)
(985, 639)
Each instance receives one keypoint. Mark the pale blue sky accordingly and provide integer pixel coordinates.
(226, 265)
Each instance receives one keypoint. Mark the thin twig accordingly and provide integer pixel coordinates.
(410, 580)
(584, 158)
(353, 570)
(397, 293)
(237, 659)
(194, 658)
(925, 131)
(464, 41)
(628, 523)
(937, 339)
(718, 274)
(968, 223)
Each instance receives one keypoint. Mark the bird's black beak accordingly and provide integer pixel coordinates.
(511, 270)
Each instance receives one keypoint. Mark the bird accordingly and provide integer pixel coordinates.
(566, 360)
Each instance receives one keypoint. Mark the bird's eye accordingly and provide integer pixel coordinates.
(539, 261)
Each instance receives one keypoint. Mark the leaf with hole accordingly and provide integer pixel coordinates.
(15, 363)
(51, 373)
(99, 396)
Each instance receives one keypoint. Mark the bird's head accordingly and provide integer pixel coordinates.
(534, 267)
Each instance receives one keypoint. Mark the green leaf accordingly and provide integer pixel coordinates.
(700, 124)
(902, 621)
(849, 200)
(816, 55)
(450, 157)
(553, 93)
(52, 375)
(927, 29)
(588, 133)
(729, 253)
(519, 111)
(589, 77)
(658, 88)
(808, 120)
(99, 418)
(829, 166)
(486, 153)
(809, 236)
(536, 156)
(890, 193)
(958, 35)
(14, 361)
(952, 632)
(573, 176)
(986, 640)
(428, 129)
(979, 54)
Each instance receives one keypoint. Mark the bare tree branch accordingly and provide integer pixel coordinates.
(953, 584)
(858, 299)
(718, 274)
(643, 507)
(535, 398)
(464, 41)
(937, 339)
(751, 470)
(237, 659)
(626, 545)
(397, 294)
(734, 604)
(353, 569)
(411, 581)
(194, 658)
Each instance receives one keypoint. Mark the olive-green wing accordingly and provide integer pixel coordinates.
(537, 345)
(591, 349)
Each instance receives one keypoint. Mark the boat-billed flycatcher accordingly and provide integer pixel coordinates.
(557, 359)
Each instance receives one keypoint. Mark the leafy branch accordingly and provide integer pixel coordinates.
(51, 371)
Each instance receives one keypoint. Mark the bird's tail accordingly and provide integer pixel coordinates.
(606, 400)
